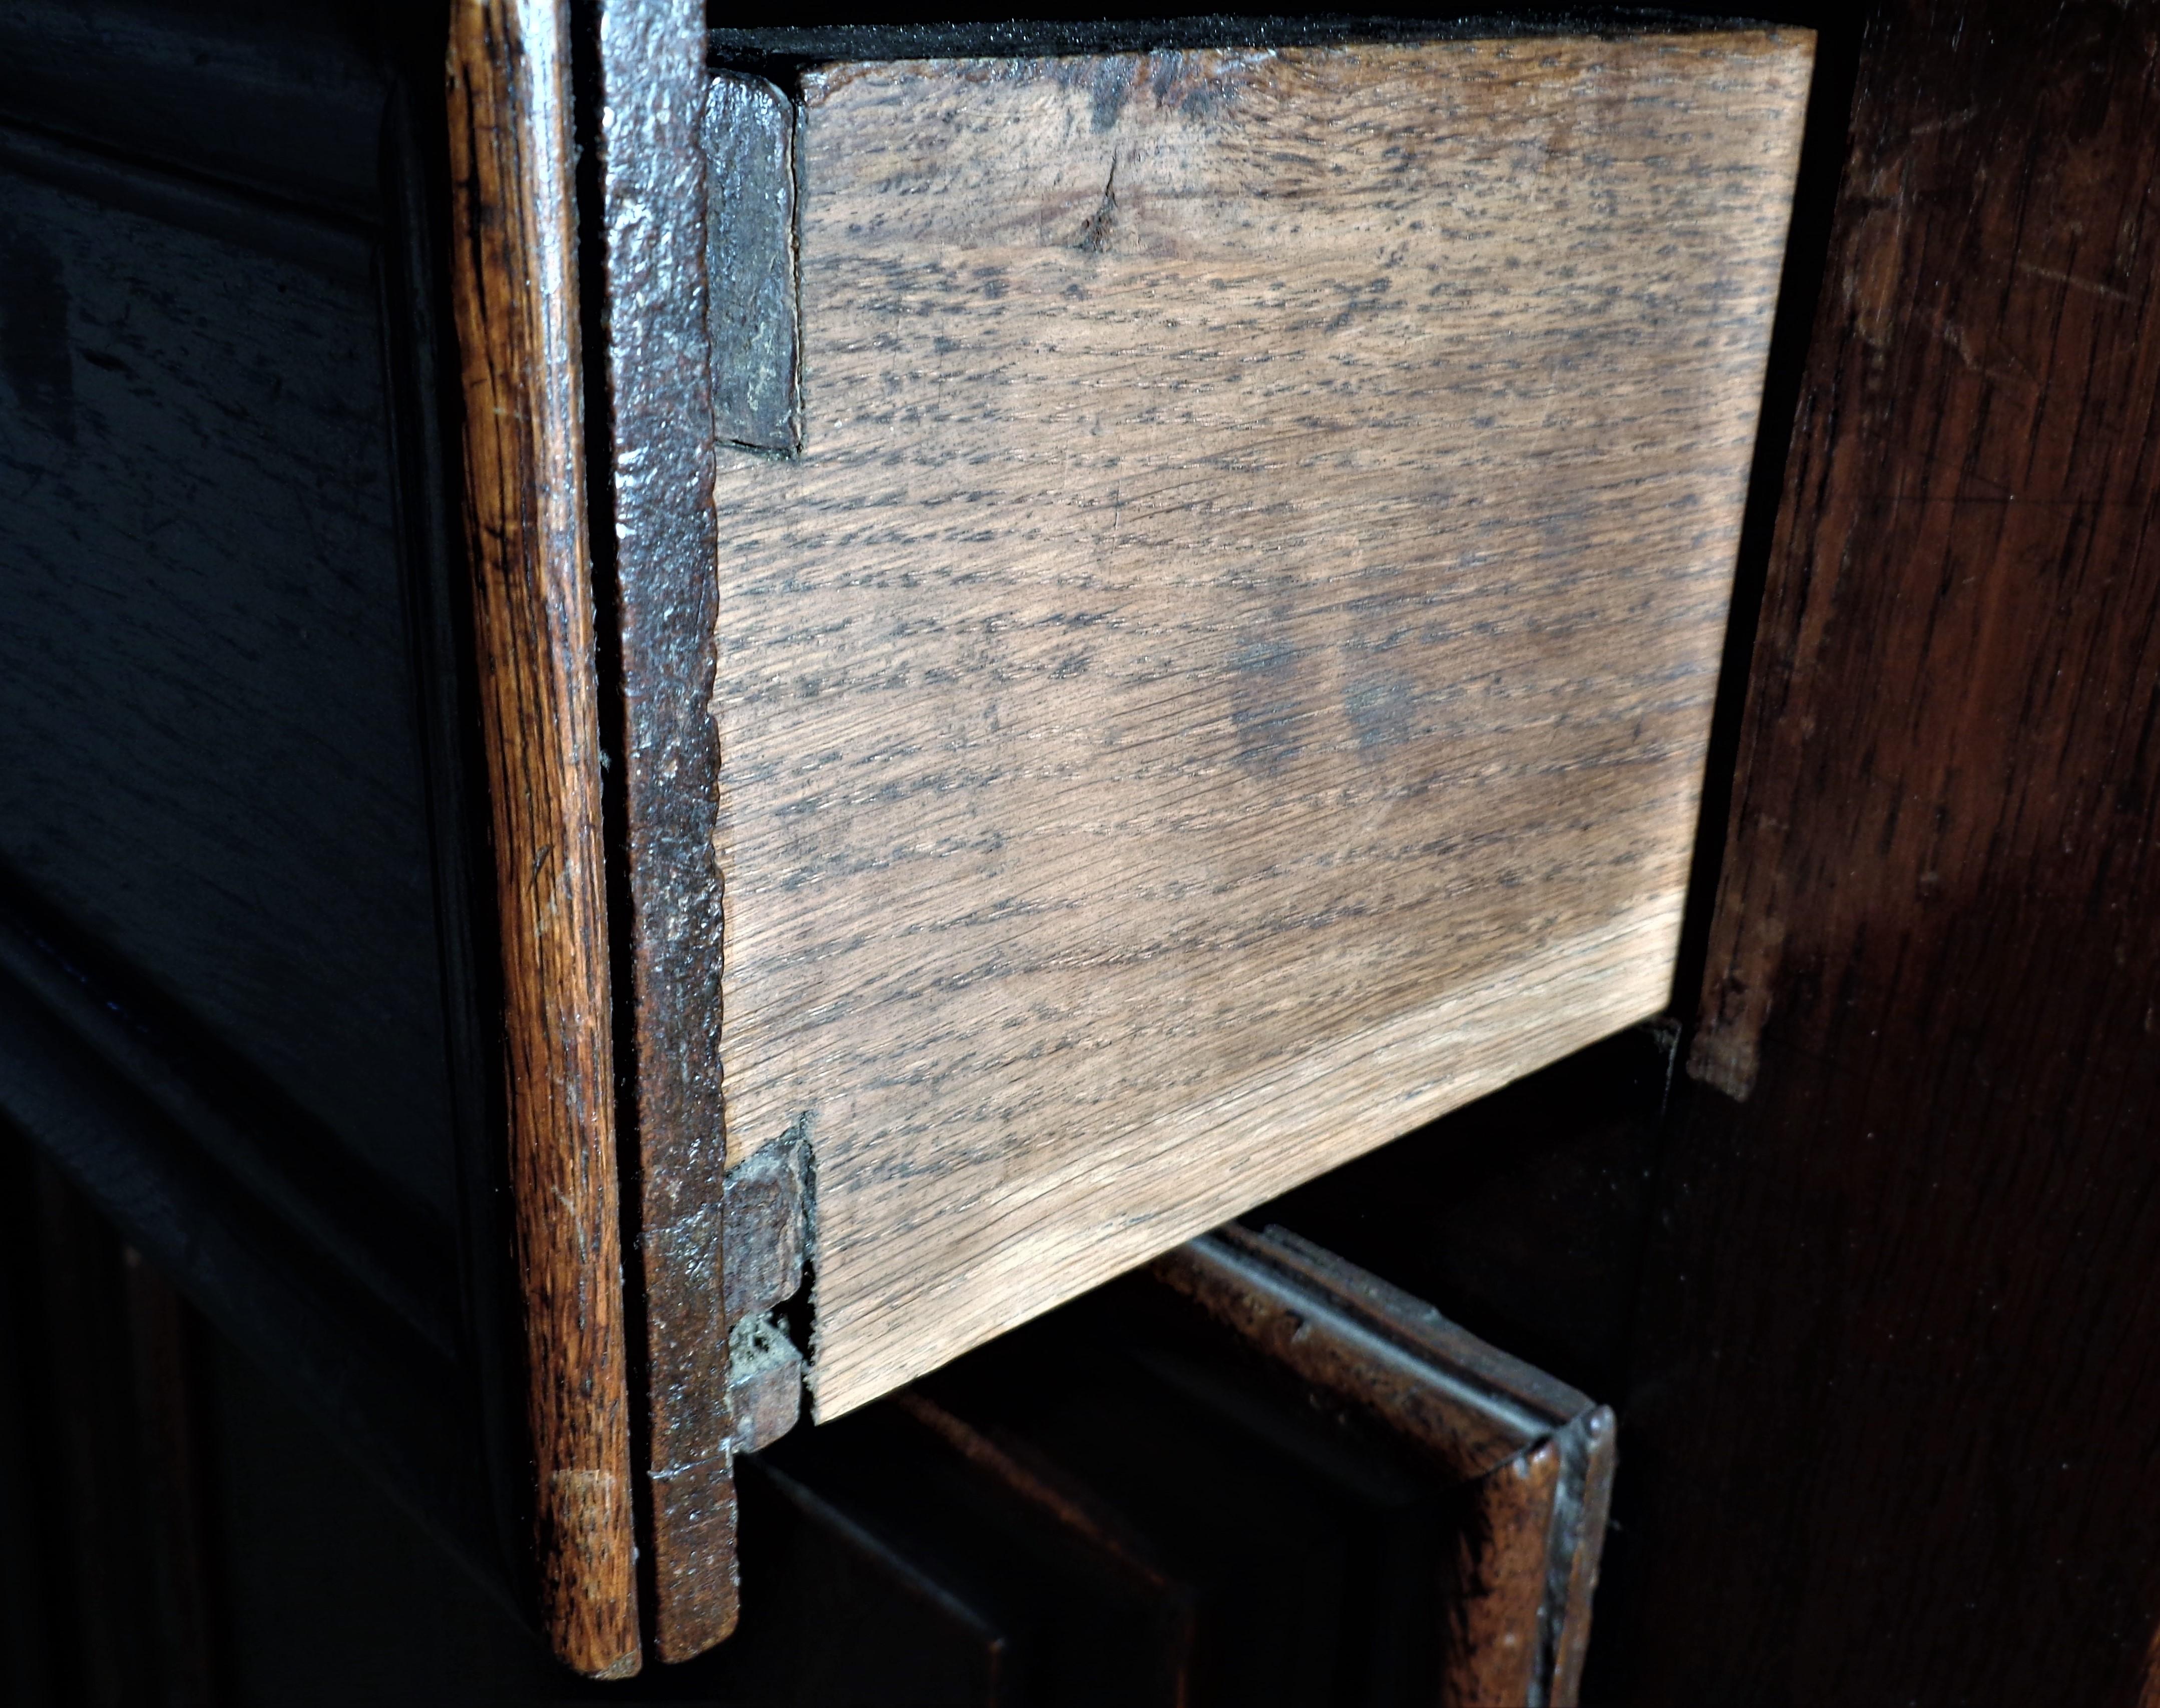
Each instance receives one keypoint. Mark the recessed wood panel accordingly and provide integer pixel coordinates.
(1225, 678)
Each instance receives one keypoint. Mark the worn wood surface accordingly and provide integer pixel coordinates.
(763, 1202)
(515, 288)
(1898, 1350)
(764, 1381)
(1495, 1654)
(763, 1206)
(656, 483)
(1226, 677)
(750, 138)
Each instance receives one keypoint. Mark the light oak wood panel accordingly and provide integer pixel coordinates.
(1226, 677)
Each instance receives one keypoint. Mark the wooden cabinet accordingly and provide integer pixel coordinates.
(1196, 660)
(701, 718)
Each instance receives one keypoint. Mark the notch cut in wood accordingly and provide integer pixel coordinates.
(750, 267)
(765, 1208)
(1536, 1457)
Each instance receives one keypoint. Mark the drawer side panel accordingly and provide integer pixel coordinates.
(1226, 677)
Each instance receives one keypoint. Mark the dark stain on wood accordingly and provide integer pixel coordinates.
(514, 289)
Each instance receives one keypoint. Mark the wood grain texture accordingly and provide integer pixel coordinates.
(1226, 677)
(1905, 1316)
(215, 774)
(659, 492)
(514, 291)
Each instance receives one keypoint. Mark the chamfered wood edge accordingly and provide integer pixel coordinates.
(1536, 1457)
(515, 293)
(653, 479)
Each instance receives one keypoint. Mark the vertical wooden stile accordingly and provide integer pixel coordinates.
(658, 442)
(517, 307)
(1898, 1307)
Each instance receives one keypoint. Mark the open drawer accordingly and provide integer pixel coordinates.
(1075, 624)
(1197, 659)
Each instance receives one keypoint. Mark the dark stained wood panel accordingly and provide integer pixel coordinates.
(214, 768)
(514, 284)
(1902, 1347)
(1225, 678)
(287, 101)
(1130, 1502)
